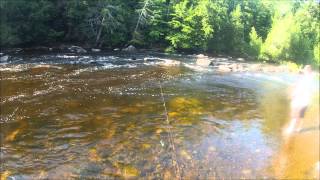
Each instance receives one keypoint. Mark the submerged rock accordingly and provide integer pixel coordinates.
(203, 60)
(5, 175)
(183, 105)
(93, 155)
(110, 171)
(150, 59)
(167, 175)
(185, 155)
(201, 56)
(256, 67)
(17, 50)
(130, 48)
(146, 146)
(236, 67)
(77, 49)
(12, 136)
(95, 50)
(240, 59)
(169, 62)
(224, 68)
(90, 170)
(127, 171)
(4, 58)
(65, 171)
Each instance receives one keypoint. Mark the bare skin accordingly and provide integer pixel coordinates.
(299, 103)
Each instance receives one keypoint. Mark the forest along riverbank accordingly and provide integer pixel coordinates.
(264, 29)
(73, 115)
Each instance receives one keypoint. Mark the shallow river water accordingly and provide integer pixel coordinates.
(67, 116)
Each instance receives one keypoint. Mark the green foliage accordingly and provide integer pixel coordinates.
(8, 36)
(300, 48)
(137, 39)
(238, 30)
(255, 43)
(293, 35)
(277, 44)
(316, 53)
(293, 67)
(24, 22)
(265, 29)
(169, 49)
(191, 25)
(257, 14)
(307, 19)
(152, 22)
(104, 19)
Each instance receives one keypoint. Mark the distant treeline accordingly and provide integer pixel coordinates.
(262, 29)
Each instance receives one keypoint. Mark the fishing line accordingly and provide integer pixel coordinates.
(174, 156)
(13, 113)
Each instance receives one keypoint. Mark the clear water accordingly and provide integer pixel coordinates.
(69, 116)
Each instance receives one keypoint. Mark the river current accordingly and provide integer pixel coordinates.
(109, 116)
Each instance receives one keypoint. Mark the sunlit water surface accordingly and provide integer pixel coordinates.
(68, 116)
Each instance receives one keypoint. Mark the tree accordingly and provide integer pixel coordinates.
(144, 12)
(144, 16)
(76, 21)
(191, 26)
(307, 37)
(270, 29)
(158, 27)
(104, 18)
(238, 30)
(316, 53)
(277, 43)
(25, 22)
(255, 43)
(293, 35)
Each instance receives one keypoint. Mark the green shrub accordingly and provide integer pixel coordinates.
(255, 43)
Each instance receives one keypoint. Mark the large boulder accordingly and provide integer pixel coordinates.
(236, 67)
(4, 58)
(240, 59)
(95, 50)
(169, 62)
(130, 49)
(224, 68)
(203, 60)
(17, 50)
(201, 56)
(77, 49)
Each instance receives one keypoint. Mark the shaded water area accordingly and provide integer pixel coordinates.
(103, 116)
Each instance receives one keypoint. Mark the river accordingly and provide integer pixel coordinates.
(108, 116)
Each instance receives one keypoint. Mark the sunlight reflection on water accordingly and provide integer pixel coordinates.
(81, 120)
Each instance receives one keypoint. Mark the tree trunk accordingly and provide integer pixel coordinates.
(140, 16)
(99, 32)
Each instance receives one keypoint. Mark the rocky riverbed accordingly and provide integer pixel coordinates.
(142, 115)
(222, 64)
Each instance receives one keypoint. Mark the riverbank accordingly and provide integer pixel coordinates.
(217, 62)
